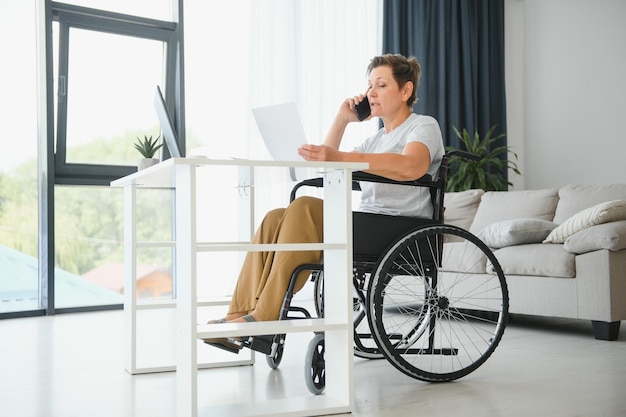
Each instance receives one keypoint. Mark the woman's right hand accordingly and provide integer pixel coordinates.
(347, 110)
(345, 115)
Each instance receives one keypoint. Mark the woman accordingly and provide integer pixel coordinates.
(406, 148)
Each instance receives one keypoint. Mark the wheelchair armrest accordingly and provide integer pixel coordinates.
(425, 181)
(311, 182)
(315, 182)
(358, 176)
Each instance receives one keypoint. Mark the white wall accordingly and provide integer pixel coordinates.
(566, 89)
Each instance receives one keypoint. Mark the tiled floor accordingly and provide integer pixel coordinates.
(72, 365)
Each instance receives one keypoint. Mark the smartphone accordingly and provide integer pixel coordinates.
(363, 109)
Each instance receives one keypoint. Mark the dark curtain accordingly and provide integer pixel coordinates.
(460, 46)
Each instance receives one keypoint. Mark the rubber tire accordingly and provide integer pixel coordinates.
(314, 365)
(274, 361)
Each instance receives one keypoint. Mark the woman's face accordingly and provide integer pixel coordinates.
(385, 96)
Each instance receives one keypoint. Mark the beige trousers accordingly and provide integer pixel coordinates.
(264, 276)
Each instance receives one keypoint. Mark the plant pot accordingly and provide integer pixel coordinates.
(146, 162)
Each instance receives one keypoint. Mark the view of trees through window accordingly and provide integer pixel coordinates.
(89, 229)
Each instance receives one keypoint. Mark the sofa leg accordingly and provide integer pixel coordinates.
(603, 330)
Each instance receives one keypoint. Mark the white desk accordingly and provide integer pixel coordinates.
(180, 175)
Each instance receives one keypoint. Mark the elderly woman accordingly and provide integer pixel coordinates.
(407, 147)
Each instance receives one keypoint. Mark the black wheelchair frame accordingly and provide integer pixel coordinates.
(430, 298)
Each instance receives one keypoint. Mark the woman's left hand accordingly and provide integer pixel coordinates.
(318, 153)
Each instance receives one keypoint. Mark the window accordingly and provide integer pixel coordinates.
(111, 80)
(107, 69)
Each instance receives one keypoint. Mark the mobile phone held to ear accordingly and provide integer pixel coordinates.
(363, 109)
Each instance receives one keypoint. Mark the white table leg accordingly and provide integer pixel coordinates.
(130, 278)
(338, 284)
(186, 305)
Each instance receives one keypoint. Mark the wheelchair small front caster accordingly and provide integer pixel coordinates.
(273, 360)
(314, 365)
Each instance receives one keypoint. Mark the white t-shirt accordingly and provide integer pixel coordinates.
(402, 200)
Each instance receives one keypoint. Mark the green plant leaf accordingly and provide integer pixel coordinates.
(147, 147)
(486, 173)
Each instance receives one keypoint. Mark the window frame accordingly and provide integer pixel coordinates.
(76, 17)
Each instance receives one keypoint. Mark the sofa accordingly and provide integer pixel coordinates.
(563, 251)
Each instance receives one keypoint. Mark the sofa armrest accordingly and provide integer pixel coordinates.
(611, 236)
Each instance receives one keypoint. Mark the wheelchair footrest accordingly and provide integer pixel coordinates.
(262, 344)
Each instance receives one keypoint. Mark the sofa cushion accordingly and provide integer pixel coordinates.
(496, 206)
(610, 236)
(461, 207)
(598, 214)
(575, 198)
(463, 257)
(537, 260)
(515, 232)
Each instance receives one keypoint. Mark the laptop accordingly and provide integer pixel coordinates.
(167, 128)
(282, 132)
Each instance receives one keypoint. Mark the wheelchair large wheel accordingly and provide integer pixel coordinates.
(437, 303)
(364, 343)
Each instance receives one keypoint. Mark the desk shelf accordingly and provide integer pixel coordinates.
(273, 247)
(152, 304)
(269, 327)
(247, 246)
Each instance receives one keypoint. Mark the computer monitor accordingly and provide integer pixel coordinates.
(167, 127)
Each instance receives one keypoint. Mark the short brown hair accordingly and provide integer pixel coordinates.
(403, 69)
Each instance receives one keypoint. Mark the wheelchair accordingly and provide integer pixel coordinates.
(429, 298)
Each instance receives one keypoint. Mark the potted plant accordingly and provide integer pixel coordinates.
(488, 173)
(147, 147)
